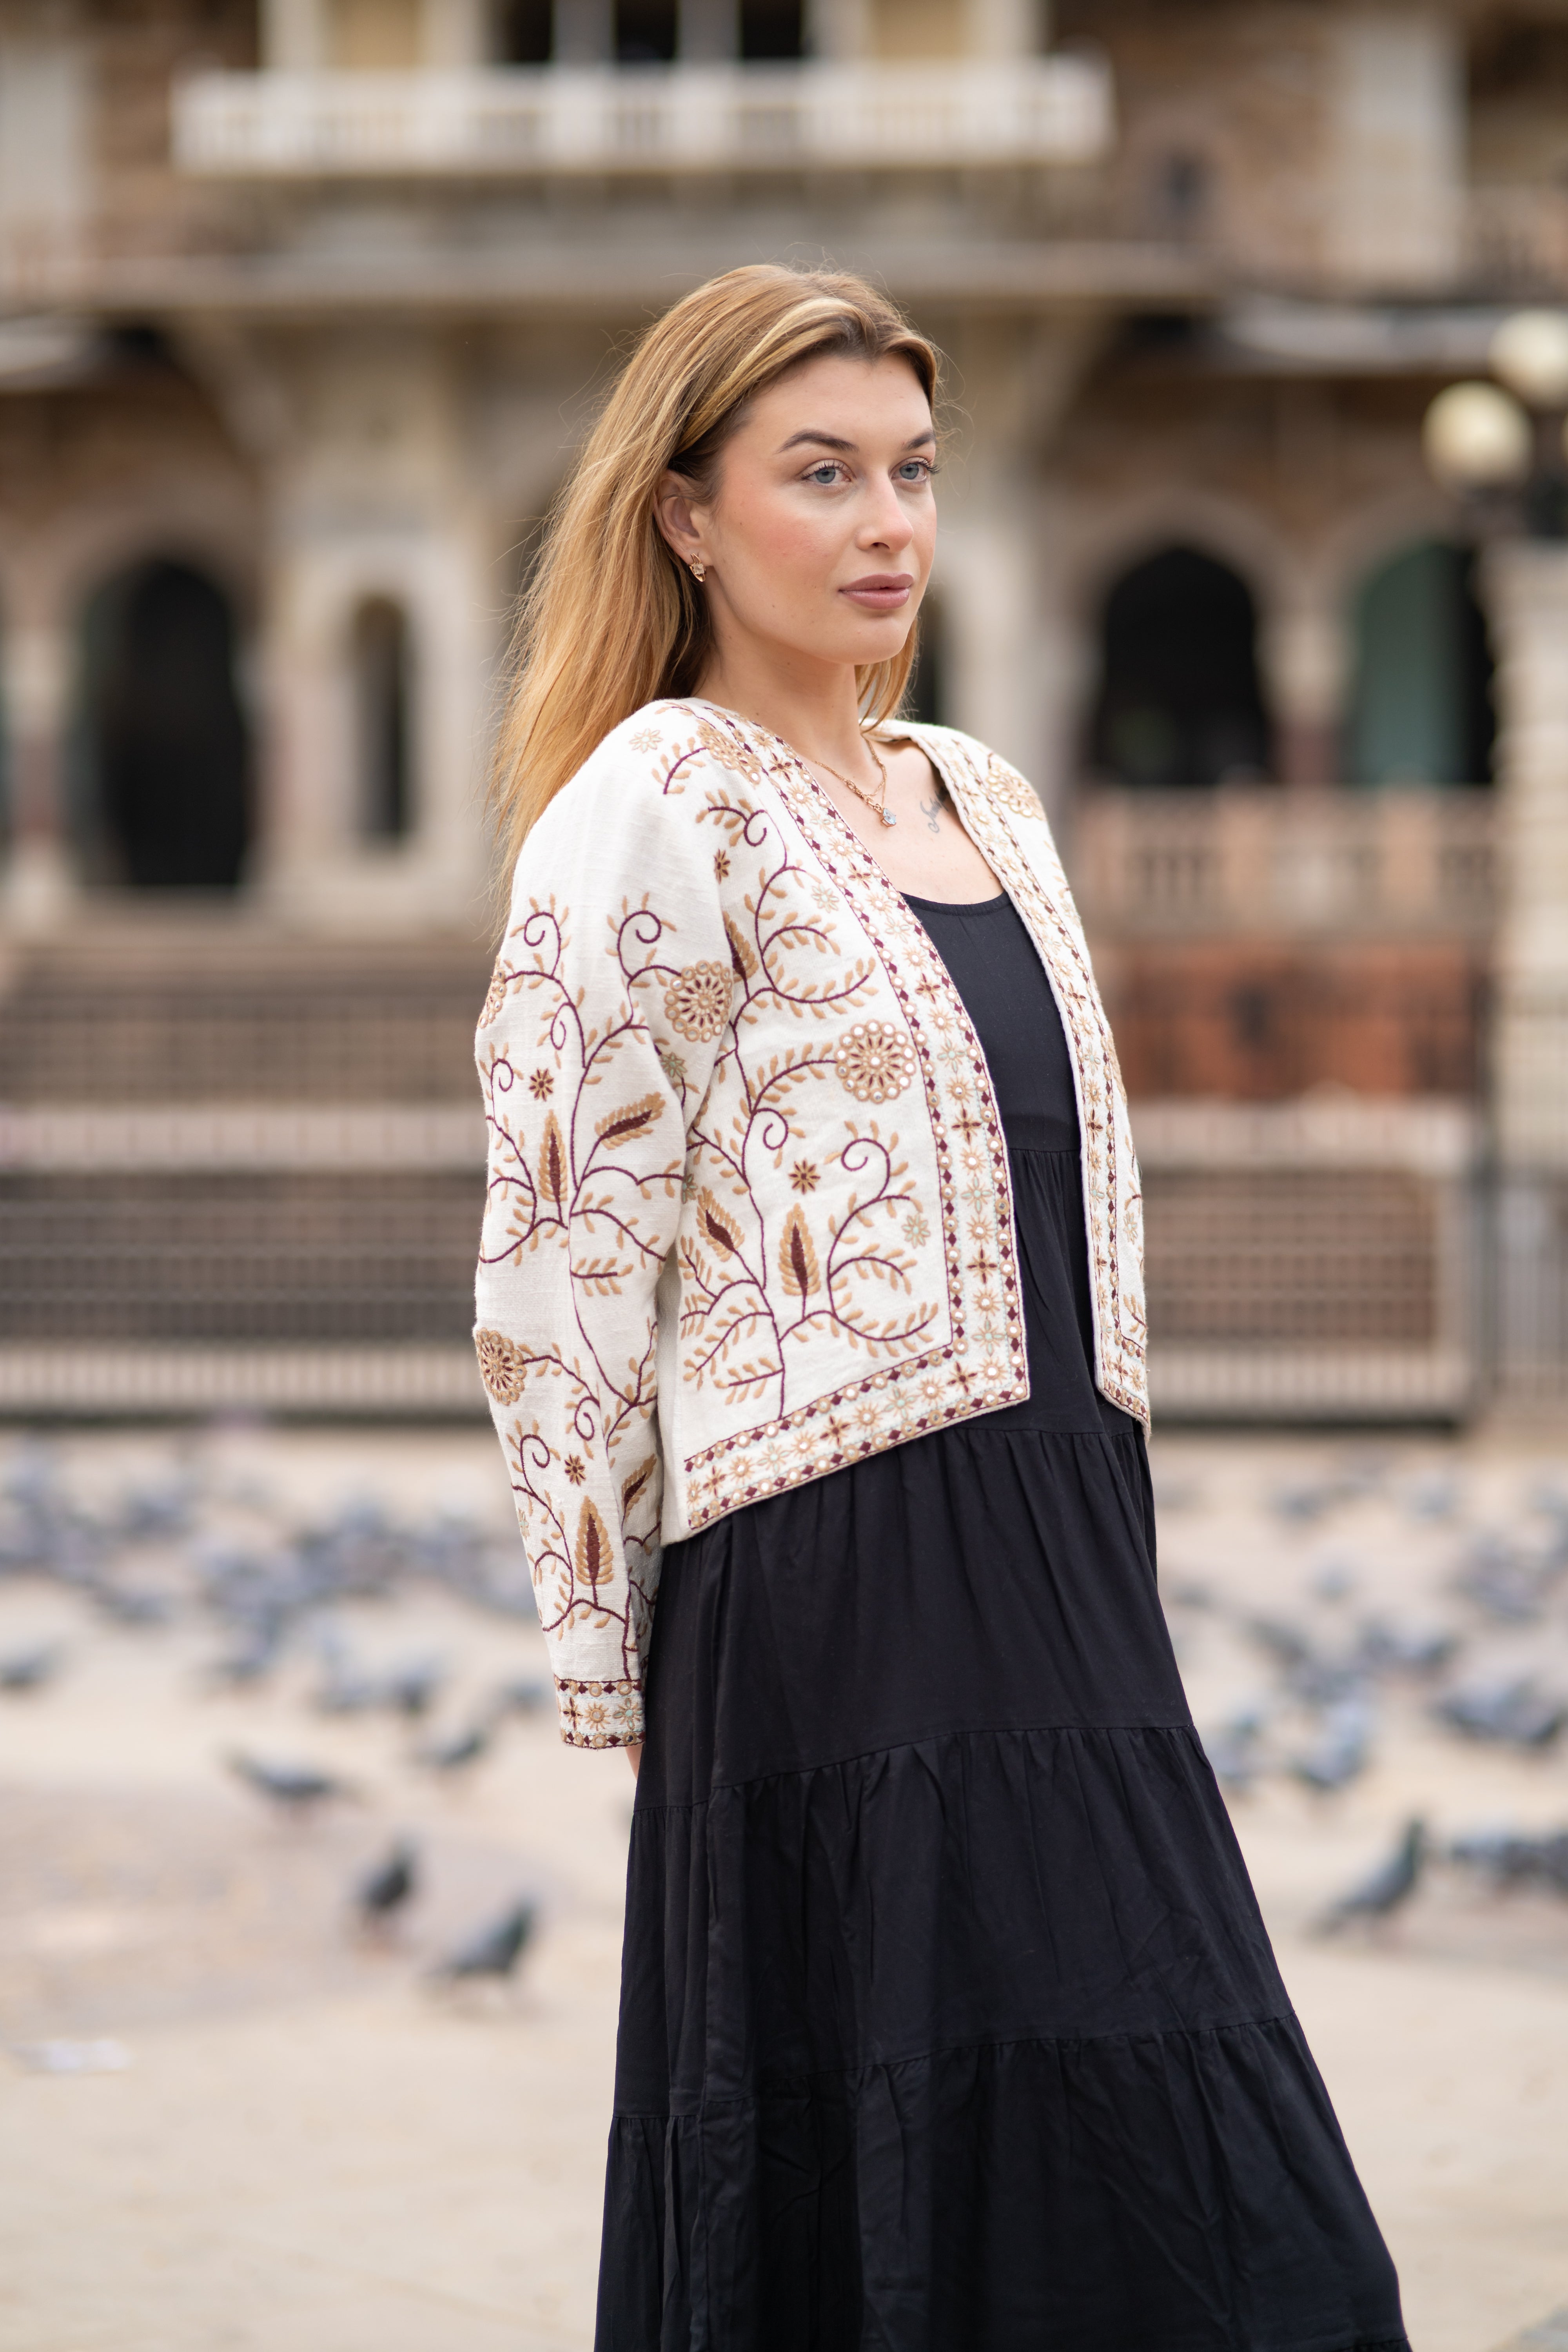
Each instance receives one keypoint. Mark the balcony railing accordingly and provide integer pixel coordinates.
(557, 120)
(1271, 861)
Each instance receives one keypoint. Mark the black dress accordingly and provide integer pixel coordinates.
(948, 2020)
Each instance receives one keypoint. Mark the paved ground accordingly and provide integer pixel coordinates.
(276, 2137)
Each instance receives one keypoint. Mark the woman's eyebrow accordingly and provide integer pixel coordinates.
(850, 448)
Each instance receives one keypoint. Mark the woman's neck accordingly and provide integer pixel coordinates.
(815, 707)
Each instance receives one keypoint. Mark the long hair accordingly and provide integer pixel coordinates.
(612, 618)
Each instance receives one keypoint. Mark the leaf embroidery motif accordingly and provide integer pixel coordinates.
(595, 1557)
(718, 1223)
(742, 955)
(637, 1482)
(620, 1125)
(553, 1163)
(798, 1268)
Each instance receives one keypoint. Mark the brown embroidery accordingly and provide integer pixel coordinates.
(495, 996)
(697, 1003)
(799, 1269)
(875, 1061)
(500, 1365)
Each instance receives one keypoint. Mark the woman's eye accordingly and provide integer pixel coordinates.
(827, 473)
(915, 470)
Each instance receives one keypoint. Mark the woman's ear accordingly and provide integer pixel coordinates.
(676, 514)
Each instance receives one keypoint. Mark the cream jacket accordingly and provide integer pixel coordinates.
(748, 1216)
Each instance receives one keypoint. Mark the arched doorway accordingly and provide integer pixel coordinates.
(166, 752)
(1180, 702)
(1421, 707)
(380, 657)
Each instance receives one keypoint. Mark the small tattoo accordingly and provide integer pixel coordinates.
(932, 809)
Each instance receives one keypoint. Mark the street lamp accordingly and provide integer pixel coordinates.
(1506, 441)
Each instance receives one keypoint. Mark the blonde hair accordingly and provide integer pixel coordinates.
(612, 618)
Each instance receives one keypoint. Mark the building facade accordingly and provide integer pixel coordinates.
(303, 307)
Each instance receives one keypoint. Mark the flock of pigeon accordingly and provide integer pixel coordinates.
(268, 1599)
(1480, 1642)
(1477, 1640)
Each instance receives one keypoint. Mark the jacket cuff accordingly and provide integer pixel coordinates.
(600, 1713)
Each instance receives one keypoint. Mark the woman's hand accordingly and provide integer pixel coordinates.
(634, 1756)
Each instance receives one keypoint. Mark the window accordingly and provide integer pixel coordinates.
(380, 682)
(772, 29)
(645, 32)
(525, 33)
(1180, 702)
(1421, 707)
(166, 798)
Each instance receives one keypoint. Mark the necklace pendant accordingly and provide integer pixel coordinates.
(886, 817)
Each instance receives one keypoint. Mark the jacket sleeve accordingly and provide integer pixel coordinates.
(595, 1046)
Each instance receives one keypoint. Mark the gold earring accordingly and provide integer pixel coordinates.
(698, 570)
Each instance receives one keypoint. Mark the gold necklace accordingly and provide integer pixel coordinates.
(878, 808)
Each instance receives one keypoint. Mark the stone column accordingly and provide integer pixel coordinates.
(377, 500)
(1526, 587)
(1013, 662)
(40, 883)
(708, 32)
(1304, 658)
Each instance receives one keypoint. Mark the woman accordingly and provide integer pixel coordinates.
(810, 1302)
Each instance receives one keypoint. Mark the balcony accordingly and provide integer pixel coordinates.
(1285, 864)
(556, 121)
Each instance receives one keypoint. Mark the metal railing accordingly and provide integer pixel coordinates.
(1312, 1260)
(559, 120)
(1265, 860)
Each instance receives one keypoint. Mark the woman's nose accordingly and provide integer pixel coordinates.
(885, 524)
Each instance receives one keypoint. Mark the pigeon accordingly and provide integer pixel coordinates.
(295, 1787)
(495, 1950)
(1434, 1497)
(30, 1669)
(1499, 1581)
(1514, 1861)
(252, 1658)
(526, 1695)
(1339, 1754)
(1305, 1502)
(384, 1889)
(1406, 1648)
(1232, 1752)
(1515, 1714)
(1391, 1884)
(460, 1748)
(1284, 1641)
(411, 1688)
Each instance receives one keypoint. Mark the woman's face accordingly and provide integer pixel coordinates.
(818, 539)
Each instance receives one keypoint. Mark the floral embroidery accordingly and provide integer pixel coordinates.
(500, 1365)
(803, 1177)
(494, 997)
(875, 1061)
(540, 1086)
(697, 1004)
(1008, 787)
(576, 1468)
(915, 1229)
(721, 865)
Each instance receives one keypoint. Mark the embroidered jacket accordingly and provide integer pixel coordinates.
(748, 1216)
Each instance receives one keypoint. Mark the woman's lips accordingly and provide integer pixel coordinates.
(881, 592)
